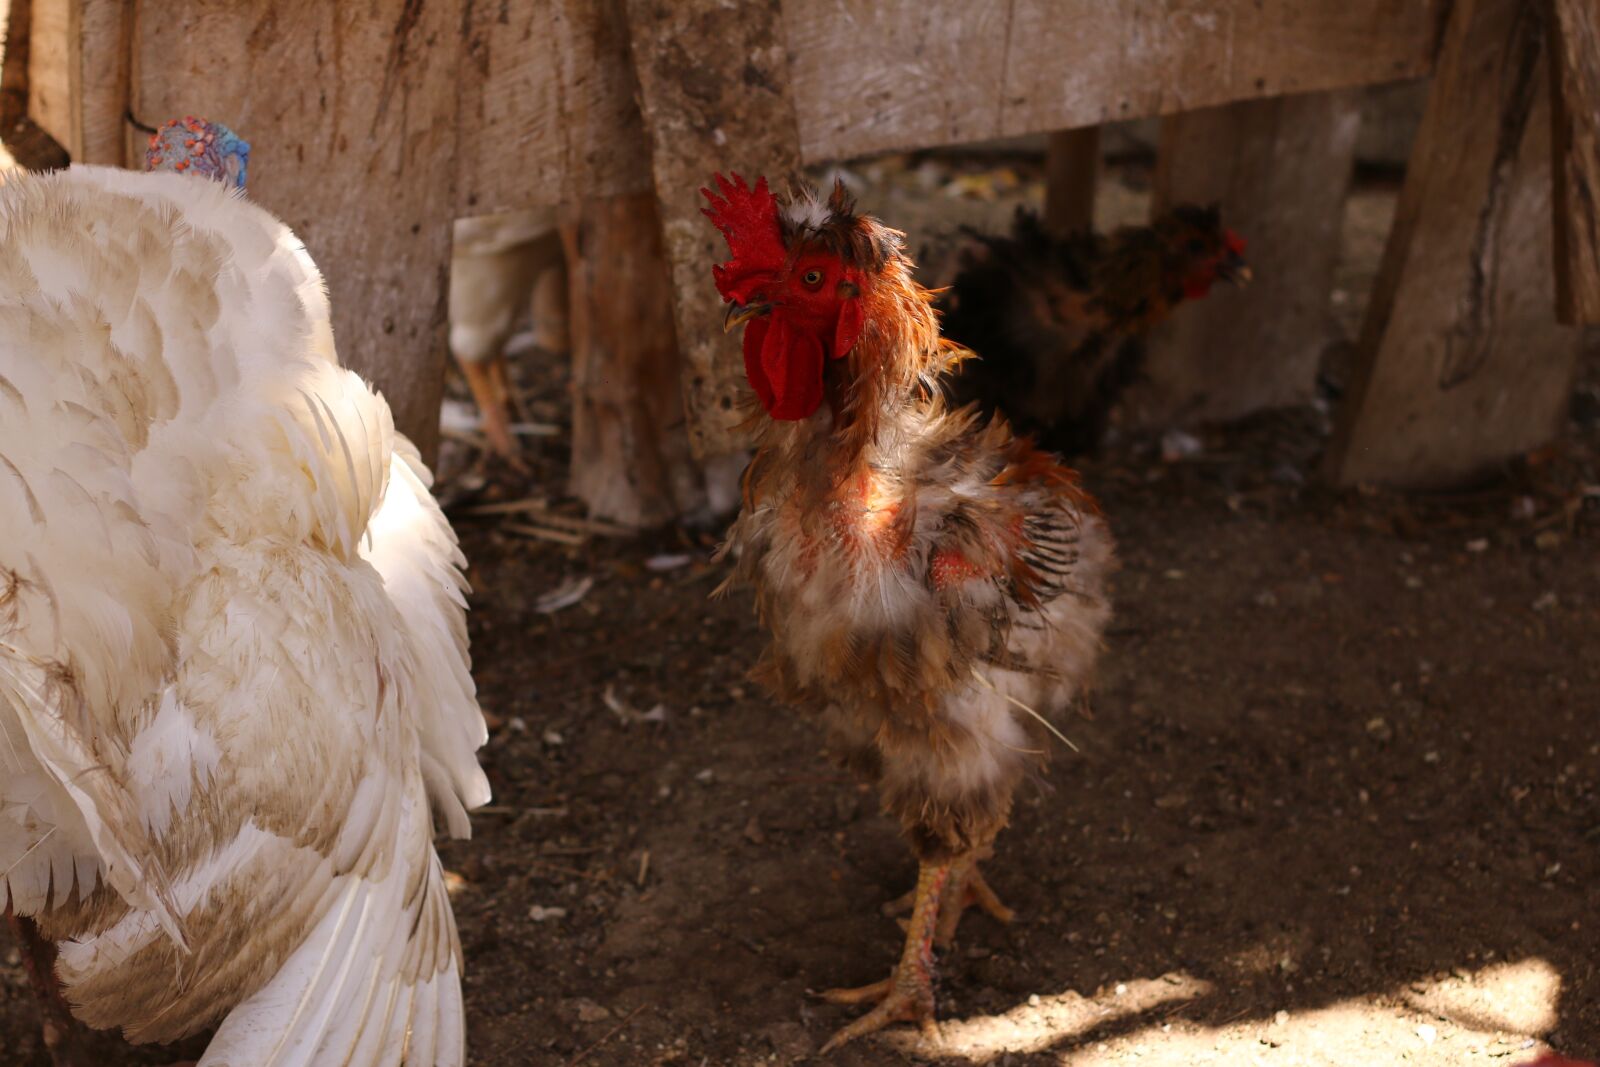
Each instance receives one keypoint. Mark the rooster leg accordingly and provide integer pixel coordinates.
(488, 393)
(61, 1032)
(907, 994)
(966, 888)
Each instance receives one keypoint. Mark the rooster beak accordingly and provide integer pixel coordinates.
(739, 314)
(1234, 269)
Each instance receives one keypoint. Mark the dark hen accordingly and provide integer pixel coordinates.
(1058, 324)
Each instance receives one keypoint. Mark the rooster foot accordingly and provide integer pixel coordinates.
(966, 887)
(905, 996)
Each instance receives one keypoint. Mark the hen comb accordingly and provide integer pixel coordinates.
(1233, 242)
(748, 219)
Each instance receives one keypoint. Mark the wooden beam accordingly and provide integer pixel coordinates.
(1461, 363)
(78, 75)
(1072, 170)
(1279, 169)
(631, 461)
(1575, 138)
(730, 110)
(869, 76)
(351, 114)
(548, 113)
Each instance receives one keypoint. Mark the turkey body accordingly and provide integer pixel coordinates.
(234, 685)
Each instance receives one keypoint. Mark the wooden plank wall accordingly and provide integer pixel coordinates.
(947, 71)
(375, 122)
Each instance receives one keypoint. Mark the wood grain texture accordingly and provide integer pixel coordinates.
(1575, 136)
(54, 43)
(1072, 170)
(1280, 170)
(548, 110)
(948, 71)
(631, 461)
(350, 110)
(104, 72)
(23, 142)
(78, 75)
(1461, 362)
(705, 109)
(547, 105)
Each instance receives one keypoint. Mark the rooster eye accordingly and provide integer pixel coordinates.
(812, 278)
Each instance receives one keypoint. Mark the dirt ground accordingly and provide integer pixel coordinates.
(1338, 801)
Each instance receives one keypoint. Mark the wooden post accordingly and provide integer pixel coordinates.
(1280, 170)
(78, 75)
(1461, 362)
(1575, 140)
(351, 114)
(630, 449)
(729, 109)
(1072, 169)
(22, 139)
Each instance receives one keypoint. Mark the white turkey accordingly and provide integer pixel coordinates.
(234, 687)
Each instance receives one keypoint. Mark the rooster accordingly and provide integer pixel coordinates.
(233, 657)
(1059, 325)
(926, 577)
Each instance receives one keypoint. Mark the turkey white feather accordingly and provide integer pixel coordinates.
(234, 684)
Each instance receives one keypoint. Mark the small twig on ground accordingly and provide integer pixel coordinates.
(613, 1032)
(560, 537)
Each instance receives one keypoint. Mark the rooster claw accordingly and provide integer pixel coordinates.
(897, 1002)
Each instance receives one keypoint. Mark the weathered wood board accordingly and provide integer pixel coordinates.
(23, 142)
(1462, 363)
(948, 71)
(631, 461)
(1279, 169)
(547, 105)
(350, 110)
(726, 108)
(548, 112)
(1574, 29)
(78, 75)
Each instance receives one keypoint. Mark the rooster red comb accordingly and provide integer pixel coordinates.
(748, 219)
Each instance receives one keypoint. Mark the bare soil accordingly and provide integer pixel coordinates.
(1338, 802)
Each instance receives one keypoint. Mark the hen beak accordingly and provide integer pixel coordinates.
(1234, 269)
(739, 314)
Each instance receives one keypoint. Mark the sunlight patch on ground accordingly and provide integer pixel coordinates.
(1045, 1021)
(1518, 997)
(1491, 1016)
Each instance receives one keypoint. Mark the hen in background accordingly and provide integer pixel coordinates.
(496, 263)
(1059, 325)
(234, 685)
